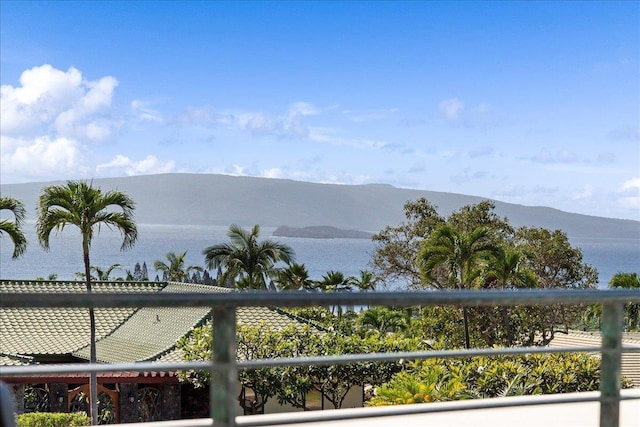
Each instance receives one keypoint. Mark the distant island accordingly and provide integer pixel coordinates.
(320, 232)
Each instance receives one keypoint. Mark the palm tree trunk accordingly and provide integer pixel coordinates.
(93, 378)
(465, 319)
(505, 319)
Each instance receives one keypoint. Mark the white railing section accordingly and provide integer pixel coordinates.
(224, 366)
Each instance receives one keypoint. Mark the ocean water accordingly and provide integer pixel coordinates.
(348, 256)
(64, 258)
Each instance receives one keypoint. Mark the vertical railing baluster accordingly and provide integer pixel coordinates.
(612, 319)
(224, 373)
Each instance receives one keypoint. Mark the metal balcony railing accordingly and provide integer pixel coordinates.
(224, 366)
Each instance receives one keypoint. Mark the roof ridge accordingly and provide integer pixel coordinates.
(201, 286)
(299, 318)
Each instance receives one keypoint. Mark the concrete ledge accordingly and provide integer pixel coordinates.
(569, 410)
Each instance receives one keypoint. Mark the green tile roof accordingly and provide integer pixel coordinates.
(150, 334)
(9, 360)
(59, 331)
(275, 318)
(123, 335)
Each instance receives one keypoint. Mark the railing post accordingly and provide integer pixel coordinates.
(612, 318)
(224, 373)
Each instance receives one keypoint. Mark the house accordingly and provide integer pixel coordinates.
(123, 335)
(630, 361)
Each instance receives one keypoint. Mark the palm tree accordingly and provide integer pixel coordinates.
(383, 319)
(457, 255)
(102, 274)
(294, 278)
(249, 262)
(366, 282)
(175, 270)
(13, 228)
(507, 270)
(335, 281)
(628, 281)
(88, 208)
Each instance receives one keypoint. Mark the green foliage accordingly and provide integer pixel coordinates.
(334, 281)
(631, 310)
(175, 270)
(52, 419)
(196, 347)
(397, 247)
(103, 274)
(291, 384)
(294, 277)
(384, 320)
(438, 323)
(247, 263)
(485, 377)
(405, 388)
(473, 248)
(13, 229)
(317, 314)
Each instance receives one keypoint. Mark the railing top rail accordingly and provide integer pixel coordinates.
(85, 368)
(300, 299)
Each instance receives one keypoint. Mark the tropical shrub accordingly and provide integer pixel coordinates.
(53, 419)
(485, 377)
(406, 388)
(291, 384)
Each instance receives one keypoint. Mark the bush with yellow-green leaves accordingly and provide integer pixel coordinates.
(437, 380)
(52, 419)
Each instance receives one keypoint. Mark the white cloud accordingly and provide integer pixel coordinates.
(123, 165)
(606, 158)
(480, 152)
(41, 158)
(142, 111)
(586, 193)
(199, 116)
(451, 108)
(273, 173)
(455, 111)
(625, 134)
(468, 176)
(262, 123)
(56, 103)
(482, 109)
(630, 193)
(326, 136)
(302, 108)
(361, 116)
(632, 184)
(45, 117)
(563, 156)
(419, 166)
(290, 125)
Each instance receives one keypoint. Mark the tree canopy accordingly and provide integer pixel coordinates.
(632, 310)
(175, 270)
(292, 384)
(246, 262)
(474, 248)
(13, 229)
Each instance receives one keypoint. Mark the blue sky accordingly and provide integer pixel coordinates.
(536, 103)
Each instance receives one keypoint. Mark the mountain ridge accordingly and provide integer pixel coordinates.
(211, 199)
